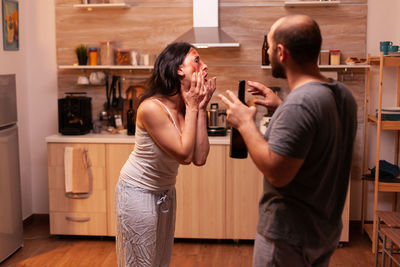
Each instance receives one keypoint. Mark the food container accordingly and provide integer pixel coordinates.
(93, 56)
(335, 57)
(324, 57)
(122, 56)
(107, 53)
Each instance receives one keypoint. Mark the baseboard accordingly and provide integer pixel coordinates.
(35, 217)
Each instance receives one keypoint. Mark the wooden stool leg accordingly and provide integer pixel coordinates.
(383, 250)
(377, 240)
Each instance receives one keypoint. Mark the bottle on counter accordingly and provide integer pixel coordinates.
(237, 148)
(130, 117)
(264, 52)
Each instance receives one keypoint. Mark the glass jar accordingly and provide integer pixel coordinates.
(335, 57)
(107, 53)
(93, 55)
(122, 57)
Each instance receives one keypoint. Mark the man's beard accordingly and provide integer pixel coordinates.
(278, 71)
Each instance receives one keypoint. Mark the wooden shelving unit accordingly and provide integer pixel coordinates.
(90, 7)
(311, 3)
(381, 125)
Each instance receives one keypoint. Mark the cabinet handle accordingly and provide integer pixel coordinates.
(84, 219)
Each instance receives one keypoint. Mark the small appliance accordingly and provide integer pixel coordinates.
(75, 114)
(216, 121)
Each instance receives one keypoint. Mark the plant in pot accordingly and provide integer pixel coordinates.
(82, 54)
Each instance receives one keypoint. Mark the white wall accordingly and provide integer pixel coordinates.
(35, 67)
(383, 25)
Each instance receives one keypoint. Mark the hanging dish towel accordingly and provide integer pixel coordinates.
(75, 170)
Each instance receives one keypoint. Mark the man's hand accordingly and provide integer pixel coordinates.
(270, 101)
(238, 114)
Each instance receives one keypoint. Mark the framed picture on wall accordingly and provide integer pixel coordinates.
(10, 25)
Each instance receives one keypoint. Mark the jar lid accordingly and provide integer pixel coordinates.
(335, 51)
(92, 48)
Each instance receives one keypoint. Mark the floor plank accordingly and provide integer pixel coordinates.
(42, 250)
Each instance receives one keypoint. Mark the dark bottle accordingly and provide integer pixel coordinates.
(264, 52)
(130, 117)
(238, 148)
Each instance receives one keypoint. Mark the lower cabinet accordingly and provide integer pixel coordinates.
(200, 193)
(83, 213)
(218, 200)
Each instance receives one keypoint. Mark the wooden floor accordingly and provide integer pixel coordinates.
(43, 250)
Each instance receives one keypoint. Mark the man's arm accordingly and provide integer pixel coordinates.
(278, 170)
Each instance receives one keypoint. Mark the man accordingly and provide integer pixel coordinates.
(306, 154)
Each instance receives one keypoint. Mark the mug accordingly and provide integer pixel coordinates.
(394, 48)
(83, 80)
(384, 46)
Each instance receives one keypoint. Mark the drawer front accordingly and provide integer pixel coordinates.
(59, 202)
(68, 223)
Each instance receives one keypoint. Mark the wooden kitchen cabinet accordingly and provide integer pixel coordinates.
(201, 197)
(244, 186)
(116, 156)
(77, 216)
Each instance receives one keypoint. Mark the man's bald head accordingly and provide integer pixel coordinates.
(301, 35)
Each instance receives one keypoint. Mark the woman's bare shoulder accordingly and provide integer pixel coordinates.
(148, 108)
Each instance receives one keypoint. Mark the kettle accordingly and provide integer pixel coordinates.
(216, 121)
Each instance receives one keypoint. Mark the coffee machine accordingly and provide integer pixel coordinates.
(216, 121)
(74, 114)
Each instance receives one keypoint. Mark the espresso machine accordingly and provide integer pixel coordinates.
(216, 121)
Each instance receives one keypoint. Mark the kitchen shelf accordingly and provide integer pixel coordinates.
(380, 125)
(386, 125)
(105, 67)
(356, 66)
(311, 3)
(102, 6)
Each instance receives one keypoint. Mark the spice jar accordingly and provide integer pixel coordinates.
(107, 53)
(335, 57)
(93, 54)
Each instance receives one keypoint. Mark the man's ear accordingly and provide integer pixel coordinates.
(282, 52)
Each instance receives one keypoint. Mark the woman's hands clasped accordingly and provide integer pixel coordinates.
(199, 93)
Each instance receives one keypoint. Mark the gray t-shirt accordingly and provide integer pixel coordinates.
(317, 122)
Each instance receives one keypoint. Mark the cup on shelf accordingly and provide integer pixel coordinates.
(83, 80)
(384, 46)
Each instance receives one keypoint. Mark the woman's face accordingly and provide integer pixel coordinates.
(192, 63)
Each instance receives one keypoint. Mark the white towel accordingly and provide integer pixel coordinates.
(68, 167)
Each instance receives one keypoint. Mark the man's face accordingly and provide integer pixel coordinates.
(278, 70)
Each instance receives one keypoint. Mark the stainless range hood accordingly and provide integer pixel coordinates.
(206, 31)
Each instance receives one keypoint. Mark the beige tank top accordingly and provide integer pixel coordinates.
(148, 166)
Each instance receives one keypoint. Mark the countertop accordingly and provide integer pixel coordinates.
(107, 138)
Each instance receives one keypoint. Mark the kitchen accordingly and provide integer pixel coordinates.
(51, 30)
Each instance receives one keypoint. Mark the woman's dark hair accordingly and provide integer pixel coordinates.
(165, 79)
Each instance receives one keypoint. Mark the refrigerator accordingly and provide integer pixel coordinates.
(11, 231)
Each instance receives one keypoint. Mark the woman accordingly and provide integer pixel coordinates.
(171, 129)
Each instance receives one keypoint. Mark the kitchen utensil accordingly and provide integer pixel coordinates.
(120, 100)
(216, 122)
(114, 101)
